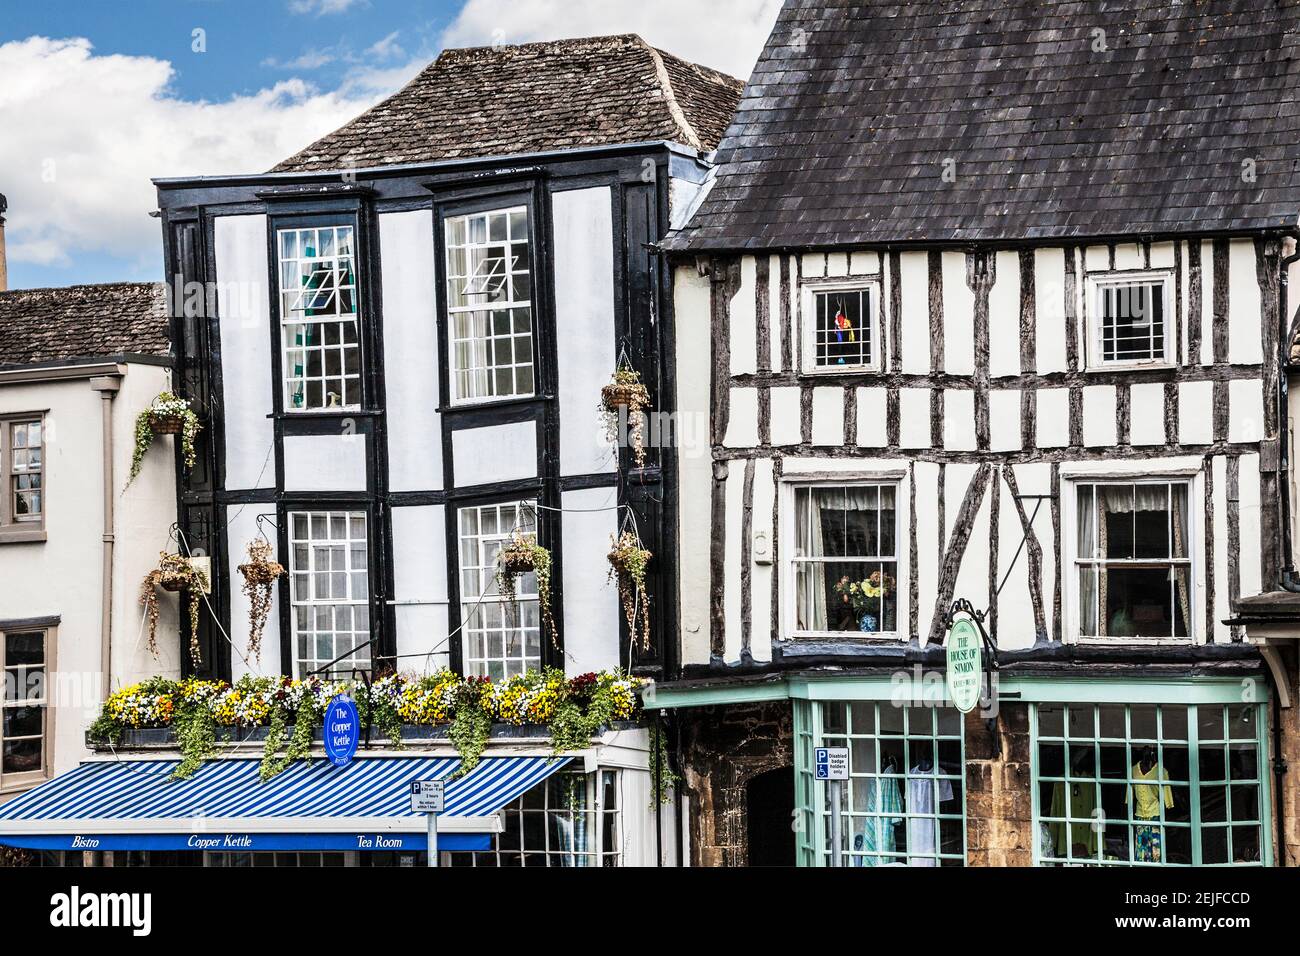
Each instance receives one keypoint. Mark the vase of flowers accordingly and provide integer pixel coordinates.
(866, 597)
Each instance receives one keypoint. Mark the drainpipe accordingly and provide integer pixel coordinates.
(107, 386)
(1288, 579)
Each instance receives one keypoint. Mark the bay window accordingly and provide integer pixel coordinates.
(904, 802)
(844, 566)
(489, 305)
(571, 820)
(329, 590)
(1150, 784)
(502, 637)
(1134, 559)
(319, 318)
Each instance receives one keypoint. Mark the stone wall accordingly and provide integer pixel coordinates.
(723, 748)
(999, 789)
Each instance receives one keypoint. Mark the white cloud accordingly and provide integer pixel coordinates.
(385, 49)
(310, 60)
(84, 134)
(724, 34)
(322, 8)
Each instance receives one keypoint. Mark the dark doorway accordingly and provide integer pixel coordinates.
(769, 812)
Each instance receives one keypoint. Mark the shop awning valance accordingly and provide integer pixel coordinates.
(132, 804)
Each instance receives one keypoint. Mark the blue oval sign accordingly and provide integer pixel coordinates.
(342, 730)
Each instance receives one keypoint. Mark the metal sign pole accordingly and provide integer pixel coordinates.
(433, 839)
(835, 822)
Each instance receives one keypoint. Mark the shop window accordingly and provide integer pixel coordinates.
(571, 819)
(1134, 560)
(319, 318)
(841, 331)
(489, 305)
(1129, 321)
(329, 590)
(502, 638)
(1148, 784)
(844, 564)
(305, 859)
(904, 801)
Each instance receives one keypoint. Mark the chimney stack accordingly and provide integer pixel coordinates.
(4, 264)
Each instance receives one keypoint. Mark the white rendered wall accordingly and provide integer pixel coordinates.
(584, 306)
(494, 453)
(325, 462)
(420, 587)
(411, 362)
(245, 324)
(591, 603)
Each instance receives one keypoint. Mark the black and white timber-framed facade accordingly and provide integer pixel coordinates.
(379, 409)
(964, 344)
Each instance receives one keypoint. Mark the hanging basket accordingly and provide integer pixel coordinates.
(173, 581)
(517, 562)
(166, 424)
(627, 564)
(630, 395)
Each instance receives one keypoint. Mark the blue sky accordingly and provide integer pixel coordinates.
(98, 98)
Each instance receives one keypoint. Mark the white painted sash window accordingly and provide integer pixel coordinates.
(502, 638)
(319, 319)
(1131, 321)
(841, 330)
(489, 305)
(24, 715)
(844, 564)
(329, 590)
(1133, 564)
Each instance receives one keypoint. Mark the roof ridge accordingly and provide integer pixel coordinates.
(670, 97)
(468, 52)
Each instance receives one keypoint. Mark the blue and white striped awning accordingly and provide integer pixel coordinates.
(131, 804)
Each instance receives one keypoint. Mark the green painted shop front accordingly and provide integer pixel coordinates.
(1135, 771)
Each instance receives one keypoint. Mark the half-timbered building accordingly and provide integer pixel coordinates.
(397, 340)
(985, 302)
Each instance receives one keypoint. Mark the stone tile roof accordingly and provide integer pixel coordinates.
(486, 101)
(1069, 118)
(83, 321)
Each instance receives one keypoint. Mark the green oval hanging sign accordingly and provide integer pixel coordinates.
(965, 664)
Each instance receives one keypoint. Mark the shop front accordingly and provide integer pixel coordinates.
(519, 806)
(1056, 771)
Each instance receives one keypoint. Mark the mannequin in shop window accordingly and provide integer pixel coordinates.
(922, 826)
(1145, 799)
(885, 799)
(1082, 806)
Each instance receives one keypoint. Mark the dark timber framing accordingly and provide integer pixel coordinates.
(643, 330)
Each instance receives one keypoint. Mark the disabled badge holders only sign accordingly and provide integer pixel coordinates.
(831, 763)
(965, 660)
(342, 730)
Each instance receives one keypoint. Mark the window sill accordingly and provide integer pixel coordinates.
(478, 404)
(1104, 641)
(357, 412)
(16, 536)
(832, 370)
(1130, 366)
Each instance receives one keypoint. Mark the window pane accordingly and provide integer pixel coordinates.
(329, 592)
(842, 333)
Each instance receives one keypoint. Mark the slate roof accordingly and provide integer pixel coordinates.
(537, 97)
(854, 106)
(83, 321)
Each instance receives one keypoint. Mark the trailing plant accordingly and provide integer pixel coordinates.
(627, 566)
(202, 713)
(167, 414)
(260, 573)
(174, 573)
(591, 701)
(471, 725)
(625, 391)
(522, 555)
(666, 779)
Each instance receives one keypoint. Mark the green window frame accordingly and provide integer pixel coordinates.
(1211, 787)
(874, 731)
